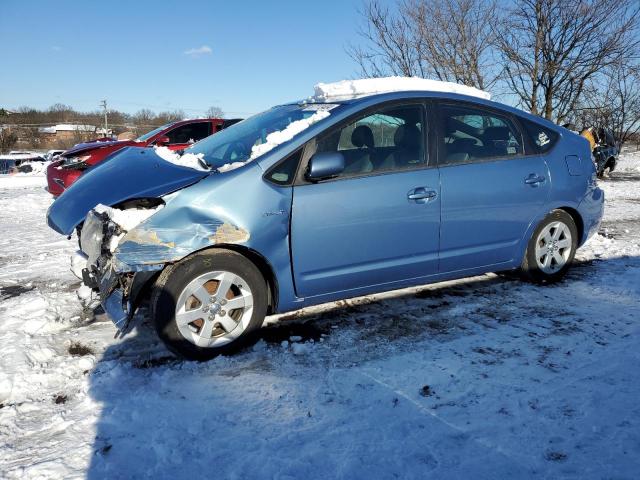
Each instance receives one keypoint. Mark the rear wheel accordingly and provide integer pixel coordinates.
(209, 304)
(551, 248)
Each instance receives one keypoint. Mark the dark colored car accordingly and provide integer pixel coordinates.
(175, 135)
(605, 152)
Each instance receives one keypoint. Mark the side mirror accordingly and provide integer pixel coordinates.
(325, 165)
(163, 140)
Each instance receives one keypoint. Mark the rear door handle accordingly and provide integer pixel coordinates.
(534, 180)
(421, 195)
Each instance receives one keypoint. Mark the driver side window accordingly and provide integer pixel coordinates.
(390, 139)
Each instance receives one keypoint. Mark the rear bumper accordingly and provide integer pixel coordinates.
(591, 209)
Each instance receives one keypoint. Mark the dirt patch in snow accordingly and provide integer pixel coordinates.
(12, 291)
(302, 332)
(79, 350)
(623, 177)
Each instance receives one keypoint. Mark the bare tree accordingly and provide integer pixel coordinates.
(7, 139)
(144, 117)
(390, 43)
(614, 103)
(32, 136)
(170, 116)
(553, 49)
(450, 40)
(456, 39)
(214, 112)
(61, 113)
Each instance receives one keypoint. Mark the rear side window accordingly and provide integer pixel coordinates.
(542, 138)
(473, 134)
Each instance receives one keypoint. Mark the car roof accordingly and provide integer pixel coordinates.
(195, 120)
(373, 99)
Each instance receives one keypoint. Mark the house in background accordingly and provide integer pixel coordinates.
(65, 131)
(67, 134)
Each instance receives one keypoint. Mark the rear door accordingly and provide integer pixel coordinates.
(378, 222)
(491, 189)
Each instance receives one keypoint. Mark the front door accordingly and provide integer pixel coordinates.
(379, 221)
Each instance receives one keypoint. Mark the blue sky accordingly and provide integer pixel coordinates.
(149, 54)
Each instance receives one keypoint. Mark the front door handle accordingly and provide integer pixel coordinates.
(421, 195)
(534, 180)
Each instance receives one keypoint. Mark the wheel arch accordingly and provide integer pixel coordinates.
(577, 219)
(258, 260)
(570, 210)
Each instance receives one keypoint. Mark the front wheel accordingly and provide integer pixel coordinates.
(208, 304)
(551, 248)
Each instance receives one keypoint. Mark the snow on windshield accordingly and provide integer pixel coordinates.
(371, 86)
(189, 160)
(294, 128)
(280, 136)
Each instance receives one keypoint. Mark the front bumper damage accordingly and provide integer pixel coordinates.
(121, 258)
(118, 285)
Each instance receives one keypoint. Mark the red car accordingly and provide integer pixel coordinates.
(71, 164)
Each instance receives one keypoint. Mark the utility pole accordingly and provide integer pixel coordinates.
(103, 104)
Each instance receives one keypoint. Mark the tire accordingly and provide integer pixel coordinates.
(551, 249)
(611, 165)
(198, 322)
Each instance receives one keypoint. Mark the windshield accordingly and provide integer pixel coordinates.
(235, 144)
(150, 134)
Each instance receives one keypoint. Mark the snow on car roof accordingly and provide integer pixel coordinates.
(372, 86)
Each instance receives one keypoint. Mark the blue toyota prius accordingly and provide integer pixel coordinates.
(325, 199)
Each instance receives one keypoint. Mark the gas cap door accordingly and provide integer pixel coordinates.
(574, 165)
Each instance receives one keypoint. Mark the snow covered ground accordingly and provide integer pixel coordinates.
(479, 378)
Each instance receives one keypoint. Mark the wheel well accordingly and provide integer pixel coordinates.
(263, 265)
(577, 218)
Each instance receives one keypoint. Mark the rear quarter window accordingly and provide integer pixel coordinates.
(541, 138)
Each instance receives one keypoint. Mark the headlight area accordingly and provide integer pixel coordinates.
(101, 233)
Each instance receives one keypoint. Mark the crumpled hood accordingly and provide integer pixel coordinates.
(132, 173)
(85, 147)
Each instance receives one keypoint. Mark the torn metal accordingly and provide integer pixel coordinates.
(120, 262)
(146, 245)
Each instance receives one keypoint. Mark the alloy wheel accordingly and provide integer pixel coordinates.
(553, 247)
(214, 309)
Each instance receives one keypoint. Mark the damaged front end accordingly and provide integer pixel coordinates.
(102, 231)
(122, 249)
